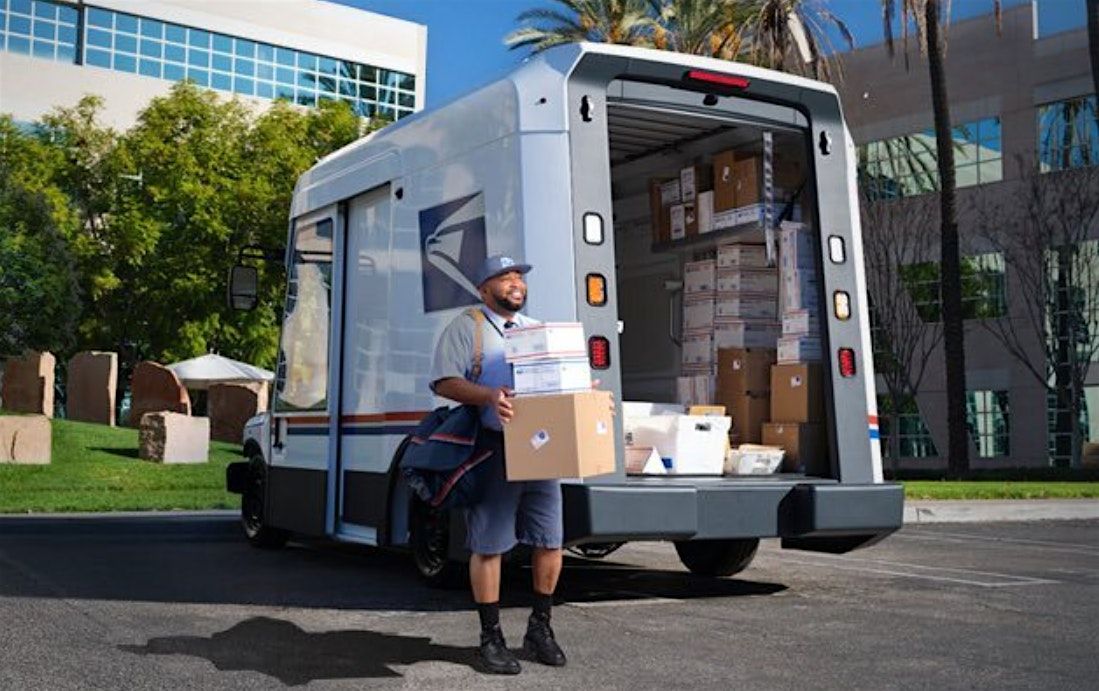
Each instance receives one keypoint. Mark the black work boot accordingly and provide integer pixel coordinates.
(494, 654)
(539, 642)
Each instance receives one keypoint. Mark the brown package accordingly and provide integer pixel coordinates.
(724, 181)
(797, 392)
(749, 412)
(560, 436)
(661, 223)
(803, 443)
(740, 370)
(748, 179)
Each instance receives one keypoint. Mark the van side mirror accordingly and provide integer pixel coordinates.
(243, 287)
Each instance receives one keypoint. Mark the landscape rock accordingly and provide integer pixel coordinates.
(25, 439)
(173, 438)
(28, 384)
(229, 407)
(155, 388)
(90, 387)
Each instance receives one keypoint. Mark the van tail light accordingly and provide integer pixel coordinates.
(597, 290)
(847, 362)
(599, 352)
(726, 81)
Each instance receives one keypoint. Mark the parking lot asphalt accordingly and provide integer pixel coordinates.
(172, 602)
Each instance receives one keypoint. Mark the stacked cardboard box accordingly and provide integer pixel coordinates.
(744, 388)
(746, 308)
(683, 206)
(797, 416)
(561, 428)
(801, 291)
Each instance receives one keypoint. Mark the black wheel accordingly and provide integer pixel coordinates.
(717, 557)
(429, 539)
(252, 508)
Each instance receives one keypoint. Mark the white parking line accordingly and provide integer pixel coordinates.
(629, 598)
(1005, 582)
(1045, 545)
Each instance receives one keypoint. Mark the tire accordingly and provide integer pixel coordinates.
(253, 509)
(429, 540)
(717, 557)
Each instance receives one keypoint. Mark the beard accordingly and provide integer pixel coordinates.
(506, 304)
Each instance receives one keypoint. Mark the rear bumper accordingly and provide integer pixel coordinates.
(802, 513)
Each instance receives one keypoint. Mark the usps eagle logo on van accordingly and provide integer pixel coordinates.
(452, 250)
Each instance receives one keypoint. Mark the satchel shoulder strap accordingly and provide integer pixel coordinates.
(478, 341)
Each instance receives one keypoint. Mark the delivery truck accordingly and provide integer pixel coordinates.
(615, 171)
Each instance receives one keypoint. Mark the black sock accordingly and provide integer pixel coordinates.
(542, 605)
(490, 615)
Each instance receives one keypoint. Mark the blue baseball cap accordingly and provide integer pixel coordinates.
(499, 264)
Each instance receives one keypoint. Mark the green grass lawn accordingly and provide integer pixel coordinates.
(96, 468)
(993, 489)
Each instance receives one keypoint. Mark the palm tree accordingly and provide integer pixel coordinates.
(714, 28)
(628, 22)
(925, 15)
(791, 35)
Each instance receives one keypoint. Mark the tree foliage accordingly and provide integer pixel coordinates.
(129, 236)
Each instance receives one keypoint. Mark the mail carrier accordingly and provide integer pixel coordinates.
(697, 217)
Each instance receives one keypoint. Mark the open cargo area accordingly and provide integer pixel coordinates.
(720, 298)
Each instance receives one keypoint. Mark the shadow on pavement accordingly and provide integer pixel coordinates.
(205, 559)
(282, 650)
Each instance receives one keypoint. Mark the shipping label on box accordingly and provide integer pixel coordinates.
(699, 277)
(799, 349)
(743, 370)
(746, 306)
(698, 313)
(741, 333)
(560, 436)
(698, 349)
(747, 281)
(551, 376)
(687, 184)
(705, 203)
(797, 392)
(670, 192)
(549, 340)
(678, 220)
(741, 256)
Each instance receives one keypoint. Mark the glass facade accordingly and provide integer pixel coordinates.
(988, 418)
(1068, 134)
(908, 165)
(163, 50)
(45, 30)
(983, 287)
(913, 438)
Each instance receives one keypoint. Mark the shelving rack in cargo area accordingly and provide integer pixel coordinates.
(712, 233)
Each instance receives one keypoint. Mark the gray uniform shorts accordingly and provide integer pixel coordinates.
(527, 512)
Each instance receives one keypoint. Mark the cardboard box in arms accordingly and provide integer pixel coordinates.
(560, 436)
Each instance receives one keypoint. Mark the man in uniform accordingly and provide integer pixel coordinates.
(511, 512)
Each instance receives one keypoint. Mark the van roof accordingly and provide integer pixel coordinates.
(545, 72)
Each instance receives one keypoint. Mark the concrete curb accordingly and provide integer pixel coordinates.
(997, 510)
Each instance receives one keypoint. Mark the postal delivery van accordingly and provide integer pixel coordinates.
(556, 164)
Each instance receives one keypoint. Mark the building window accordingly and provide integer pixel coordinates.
(1068, 134)
(908, 165)
(983, 292)
(42, 29)
(115, 40)
(988, 419)
(913, 438)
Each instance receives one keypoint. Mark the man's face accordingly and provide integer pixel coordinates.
(508, 292)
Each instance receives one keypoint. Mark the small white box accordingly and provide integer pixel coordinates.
(698, 349)
(800, 290)
(669, 193)
(697, 389)
(746, 306)
(678, 214)
(754, 459)
(694, 443)
(698, 313)
(643, 408)
(687, 184)
(551, 376)
(699, 277)
(550, 340)
(802, 322)
(724, 219)
(705, 201)
(740, 333)
(746, 280)
(741, 256)
(799, 349)
(795, 245)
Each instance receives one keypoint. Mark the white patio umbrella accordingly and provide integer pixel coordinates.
(200, 372)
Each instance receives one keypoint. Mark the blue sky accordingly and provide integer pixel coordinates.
(465, 37)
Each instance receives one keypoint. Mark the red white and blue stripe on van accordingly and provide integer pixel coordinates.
(398, 423)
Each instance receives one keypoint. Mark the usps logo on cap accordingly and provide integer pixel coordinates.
(506, 262)
(452, 250)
